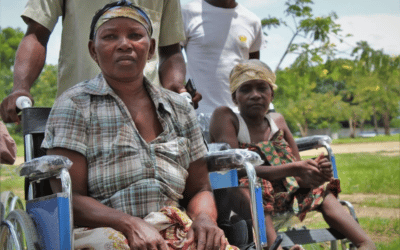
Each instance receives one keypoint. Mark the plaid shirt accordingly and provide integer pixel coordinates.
(124, 171)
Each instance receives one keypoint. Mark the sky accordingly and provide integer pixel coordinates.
(374, 21)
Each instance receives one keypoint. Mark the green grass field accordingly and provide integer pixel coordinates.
(378, 138)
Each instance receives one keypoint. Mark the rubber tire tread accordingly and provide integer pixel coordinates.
(26, 223)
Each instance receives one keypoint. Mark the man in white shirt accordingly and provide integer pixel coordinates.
(219, 34)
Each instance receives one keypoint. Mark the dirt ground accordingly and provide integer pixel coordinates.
(390, 148)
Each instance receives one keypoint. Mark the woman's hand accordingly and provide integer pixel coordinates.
(142, 235)
(325, 166)
(207, 234)
(309, 175)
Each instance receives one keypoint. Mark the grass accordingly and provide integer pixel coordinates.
(389, 228)
(369, 173)
(20, 150)
(10, 180)
(386, 203)
(378, 138)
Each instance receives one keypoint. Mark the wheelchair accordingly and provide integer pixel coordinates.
(291, 236)
(47, 222)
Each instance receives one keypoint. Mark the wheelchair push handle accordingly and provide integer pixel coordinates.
(23, 102)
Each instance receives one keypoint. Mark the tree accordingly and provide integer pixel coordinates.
(302, 104)
(9, 41)
(377, 83)
(315, 31)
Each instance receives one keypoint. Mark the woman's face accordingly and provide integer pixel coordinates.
(121, 48)
(253, 97)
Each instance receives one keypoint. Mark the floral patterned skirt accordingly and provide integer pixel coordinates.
(171, 222)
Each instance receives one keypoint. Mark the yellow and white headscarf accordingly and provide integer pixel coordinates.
(125, 11)
(252, 69)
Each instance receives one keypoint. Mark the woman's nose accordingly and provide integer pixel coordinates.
(255, 94)
(124, 43)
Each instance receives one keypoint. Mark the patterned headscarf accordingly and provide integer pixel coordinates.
(252, 69)
(131, 12)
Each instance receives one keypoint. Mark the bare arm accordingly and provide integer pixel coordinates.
(224, 126)
(172, 70)
(202, 209)
(29, 61)
(89, 212)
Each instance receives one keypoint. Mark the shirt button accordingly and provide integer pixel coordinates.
(148, 165)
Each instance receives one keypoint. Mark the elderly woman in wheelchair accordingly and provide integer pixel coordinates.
(290, 184)
(137, 150)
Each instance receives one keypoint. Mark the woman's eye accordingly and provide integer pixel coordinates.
(109, 36)
(136, 35)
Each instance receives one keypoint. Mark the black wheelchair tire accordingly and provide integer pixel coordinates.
(25, 230)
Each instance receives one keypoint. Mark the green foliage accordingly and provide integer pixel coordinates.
(9, 41)
(395, 123)
(310, 34)
(45, 88)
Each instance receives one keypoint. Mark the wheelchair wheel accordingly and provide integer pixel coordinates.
(25, 231)
(2, 211)
(6, 198)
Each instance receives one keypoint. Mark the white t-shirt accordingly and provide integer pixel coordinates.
(216, 40)
(75, 64)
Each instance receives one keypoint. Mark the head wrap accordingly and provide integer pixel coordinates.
(252, 69)
(130, 11)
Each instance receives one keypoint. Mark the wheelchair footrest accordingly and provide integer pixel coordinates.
(309, 236)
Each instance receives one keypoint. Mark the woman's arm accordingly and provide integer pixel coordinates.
(224, 126)
(89, 212)
(202, 208)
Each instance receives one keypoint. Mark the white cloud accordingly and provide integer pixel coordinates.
(380, 31)
(258, 4)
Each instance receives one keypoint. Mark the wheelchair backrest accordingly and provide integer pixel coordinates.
(34, 121)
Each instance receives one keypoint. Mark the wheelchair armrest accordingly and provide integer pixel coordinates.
(44, 167)
(231, 159)
(312, 142)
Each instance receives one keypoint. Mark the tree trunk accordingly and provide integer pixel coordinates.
(375, 120)
(352, 128)
(386, 122)
(303, 130)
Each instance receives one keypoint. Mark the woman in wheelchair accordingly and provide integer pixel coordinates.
(291, 184)
(137, 150)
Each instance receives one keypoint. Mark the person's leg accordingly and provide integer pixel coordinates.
(338, 218)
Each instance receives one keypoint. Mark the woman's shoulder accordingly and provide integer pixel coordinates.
(223, 115)
(278, 119)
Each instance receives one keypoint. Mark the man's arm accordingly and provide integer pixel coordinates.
(29, 61)
(172, 70)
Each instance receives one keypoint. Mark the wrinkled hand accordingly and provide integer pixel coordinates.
(207, 234)
(142, 235)
(8, 108)
(309, 175)
(325, 166)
